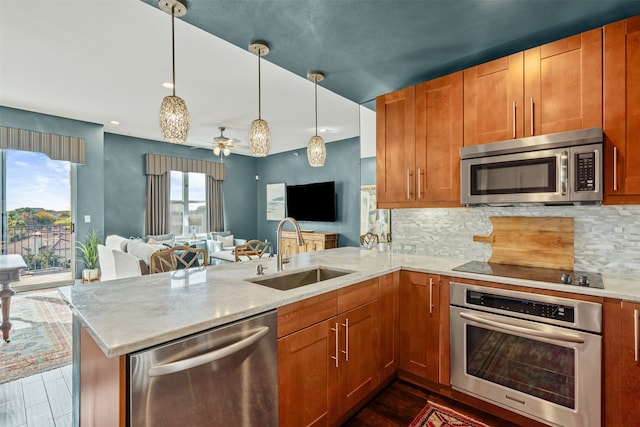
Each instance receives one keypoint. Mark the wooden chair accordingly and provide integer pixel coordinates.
(177, 257)
(252, 249)
(369, 239)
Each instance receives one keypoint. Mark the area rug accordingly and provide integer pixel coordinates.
(40, 335)
(434, 415)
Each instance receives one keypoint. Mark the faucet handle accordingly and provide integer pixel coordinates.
(260, 269)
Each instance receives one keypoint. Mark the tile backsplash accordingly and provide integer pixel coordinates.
(606, 238)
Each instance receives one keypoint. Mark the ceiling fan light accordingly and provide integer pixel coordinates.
(259, 138)
(174, 119)
(316, 151)
(226, 151)
(216, 150)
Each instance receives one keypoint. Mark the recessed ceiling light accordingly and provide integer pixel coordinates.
(168, 85)
(322, 130)
(114, 122)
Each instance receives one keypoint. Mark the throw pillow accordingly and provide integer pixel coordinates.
(226, 240)
(162, 239)
(187, 259)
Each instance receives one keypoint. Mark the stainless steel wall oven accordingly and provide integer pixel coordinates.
(534, 354)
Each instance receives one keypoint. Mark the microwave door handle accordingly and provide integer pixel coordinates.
(564, 175)
(192, 362)
(478, 318)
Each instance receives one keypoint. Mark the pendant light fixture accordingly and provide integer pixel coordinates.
(174, 116)
(316, 150)
(259, 134)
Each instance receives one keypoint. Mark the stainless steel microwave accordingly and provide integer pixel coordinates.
(560, 168)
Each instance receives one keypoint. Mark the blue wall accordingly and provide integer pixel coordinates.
(368, 171)
(126, 185)
(342, 166)
(90, 177)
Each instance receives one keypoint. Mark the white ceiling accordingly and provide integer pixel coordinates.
(98, 61)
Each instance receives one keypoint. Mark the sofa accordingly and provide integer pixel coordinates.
(136, 248)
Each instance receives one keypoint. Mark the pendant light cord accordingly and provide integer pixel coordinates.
(316, 98)
(259, 87)
(173, 49)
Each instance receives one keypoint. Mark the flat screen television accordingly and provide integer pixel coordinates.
(312, 202)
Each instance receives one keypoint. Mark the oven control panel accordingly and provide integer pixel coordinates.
(561, 312)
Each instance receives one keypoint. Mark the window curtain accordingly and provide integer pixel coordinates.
(157, 216)
(214, 204)
(56, 147)
(158, 197)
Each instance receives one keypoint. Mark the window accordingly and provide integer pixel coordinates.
(37, 215)
(188, 212)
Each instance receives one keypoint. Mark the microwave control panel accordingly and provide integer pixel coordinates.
(585, 171)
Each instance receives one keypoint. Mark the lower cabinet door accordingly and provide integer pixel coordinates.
(358, 363)
(307, 376)
(419, 324)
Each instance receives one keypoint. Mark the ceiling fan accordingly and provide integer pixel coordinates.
(222, 144)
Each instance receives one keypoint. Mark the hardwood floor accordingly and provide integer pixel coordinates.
(41, 400)
(399, 403)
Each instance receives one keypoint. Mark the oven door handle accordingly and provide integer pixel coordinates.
(192, 362)
(522, 330)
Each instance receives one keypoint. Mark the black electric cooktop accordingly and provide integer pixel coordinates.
(565, 277)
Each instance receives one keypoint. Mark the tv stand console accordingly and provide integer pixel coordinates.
(312, 242)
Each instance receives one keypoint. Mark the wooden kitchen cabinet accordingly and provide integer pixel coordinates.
(622, 111)
(327, 355)
(621, 364)
(395, 148)
(493, 100)
(312, 242)
(438, 141)
(419, 135)
(420, 325)
(552, 88)
(389, 331)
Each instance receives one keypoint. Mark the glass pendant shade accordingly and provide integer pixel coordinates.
(259, 138)
(174, 119)
(226, 151)
(216, 151)
(316, 151)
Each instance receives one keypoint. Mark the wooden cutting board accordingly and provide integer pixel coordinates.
(531, 241)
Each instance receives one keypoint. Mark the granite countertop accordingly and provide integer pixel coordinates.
(127, 315)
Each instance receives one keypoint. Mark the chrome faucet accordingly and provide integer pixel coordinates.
(279, 238)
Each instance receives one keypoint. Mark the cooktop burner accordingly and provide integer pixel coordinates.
(566, 277)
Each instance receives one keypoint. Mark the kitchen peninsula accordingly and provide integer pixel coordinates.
(125, 316)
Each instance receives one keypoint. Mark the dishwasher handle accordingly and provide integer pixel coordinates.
(192, 362)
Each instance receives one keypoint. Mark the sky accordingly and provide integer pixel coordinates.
(35, 181)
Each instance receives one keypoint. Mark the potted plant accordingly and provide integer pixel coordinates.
(89, 250)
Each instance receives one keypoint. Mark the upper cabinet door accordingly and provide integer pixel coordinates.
(622, 111)
(395, 147)
(493, 94)
(563, 85)
(438, 140)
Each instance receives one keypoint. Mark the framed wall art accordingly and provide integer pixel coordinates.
(276, 197)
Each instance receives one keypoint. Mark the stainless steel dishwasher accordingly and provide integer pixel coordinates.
(227, 376)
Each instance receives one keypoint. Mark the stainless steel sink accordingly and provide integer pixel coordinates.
(285, 282)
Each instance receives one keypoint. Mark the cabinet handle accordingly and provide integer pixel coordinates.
(409, 184)
(419, 183)
(514, 119)
(532, 107)
(430, 295)
(636, 338)
(346, 340)
(615, 168)
(336, 358)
